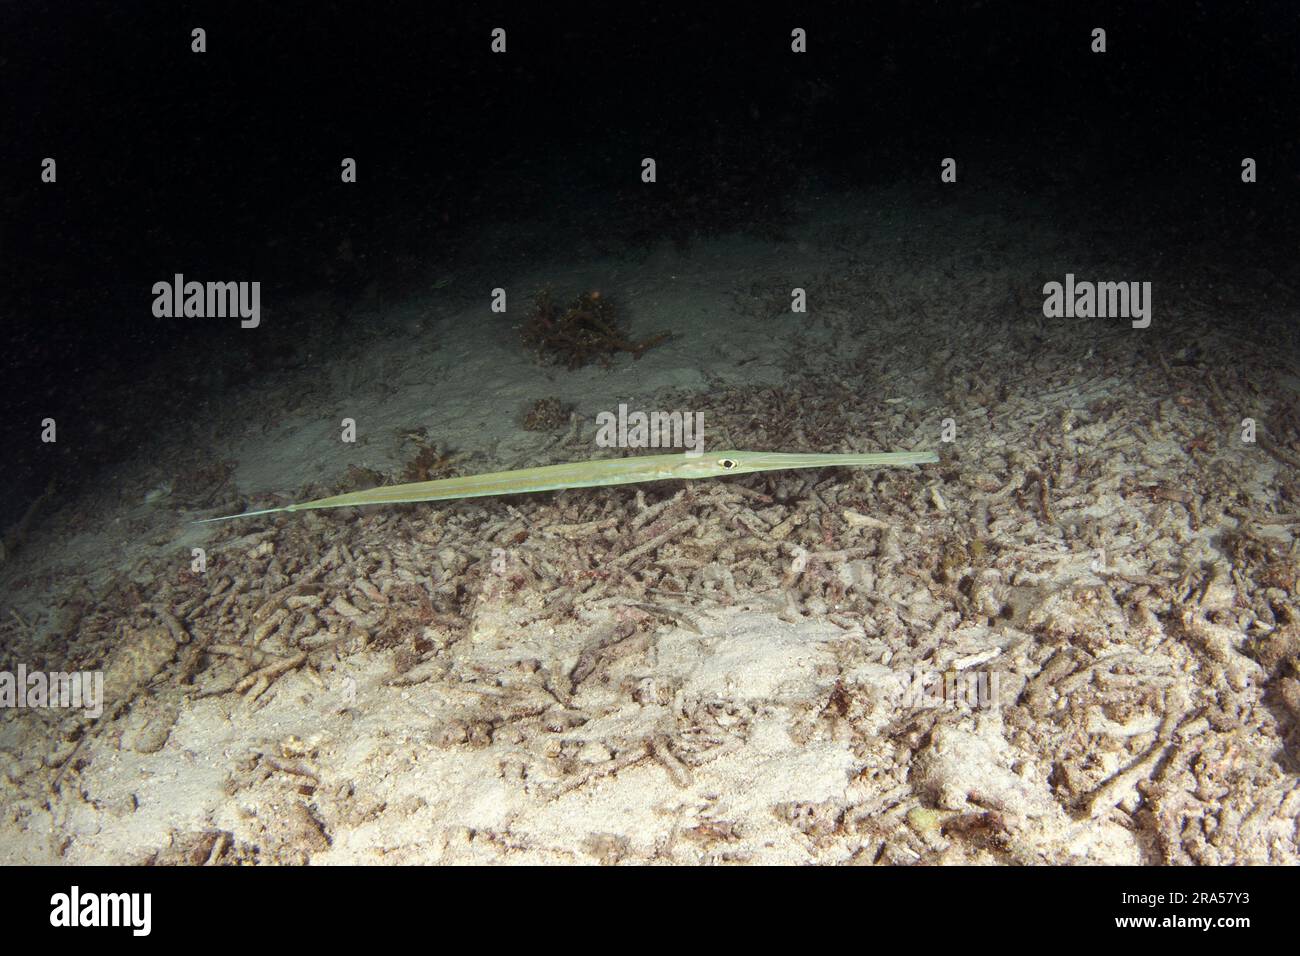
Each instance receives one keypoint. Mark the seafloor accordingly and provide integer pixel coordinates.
(711, 672)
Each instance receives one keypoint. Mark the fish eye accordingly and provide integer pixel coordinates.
(727, 462)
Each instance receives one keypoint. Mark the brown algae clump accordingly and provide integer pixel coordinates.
(586, 330)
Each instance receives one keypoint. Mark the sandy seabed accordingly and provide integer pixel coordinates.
(708, 672)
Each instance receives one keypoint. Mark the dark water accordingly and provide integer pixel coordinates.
(225, 165)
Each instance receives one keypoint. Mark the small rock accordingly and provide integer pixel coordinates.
(593, 752)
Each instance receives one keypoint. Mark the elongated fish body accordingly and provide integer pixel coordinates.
(608, 471)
